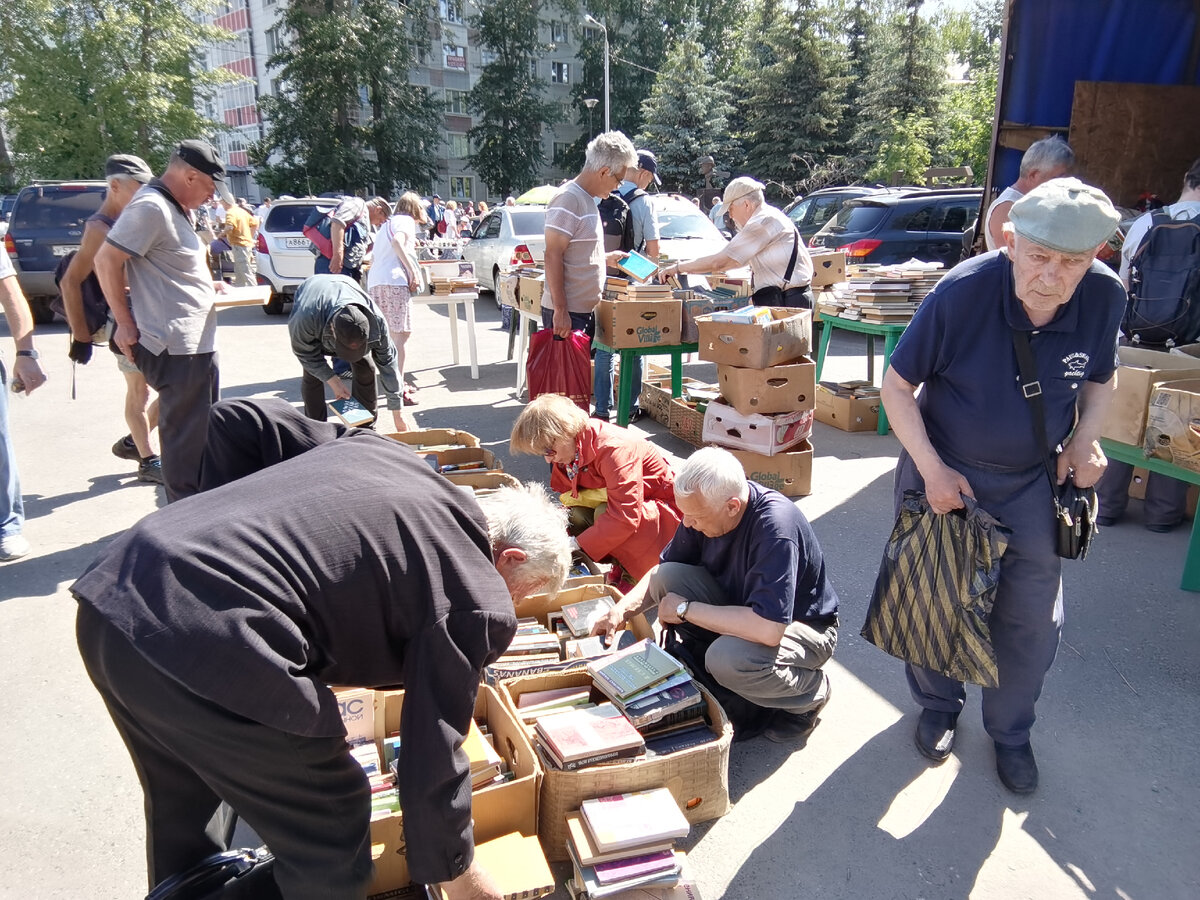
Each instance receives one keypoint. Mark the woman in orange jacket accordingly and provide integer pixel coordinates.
(638, 516)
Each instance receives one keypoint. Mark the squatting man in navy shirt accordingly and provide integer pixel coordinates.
(971, 433)
(743, 589)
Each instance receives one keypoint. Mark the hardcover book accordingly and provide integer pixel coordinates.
(594, 889)
(660, 863)
(650, 708)
(351, 412)
(634, 670)
(585, 848)
(633, 820)
(581, 616)
(587, 733)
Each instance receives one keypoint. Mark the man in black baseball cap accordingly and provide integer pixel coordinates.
(203, 157)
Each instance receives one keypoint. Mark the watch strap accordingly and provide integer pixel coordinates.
(32, 354)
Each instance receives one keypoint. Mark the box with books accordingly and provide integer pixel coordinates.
(849, 406)
(690, 758)
(539, 606)
(458, 461)
(789, 472)
(703, 303)
(765, 434)
(646, 319)
(432, 440)
(502, 801)
(757, 345)
(779, 389)
(518, 865)
(484, 482)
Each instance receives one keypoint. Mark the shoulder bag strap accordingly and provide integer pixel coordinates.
(791, 267)
(1032, 389)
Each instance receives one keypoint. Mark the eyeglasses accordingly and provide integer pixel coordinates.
(549, 450)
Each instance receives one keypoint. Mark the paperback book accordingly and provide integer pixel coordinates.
(642, 666)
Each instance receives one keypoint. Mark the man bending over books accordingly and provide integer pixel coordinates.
(212, 628)
(743, 592)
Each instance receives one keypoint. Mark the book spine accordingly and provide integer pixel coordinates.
(666, 718)
(607, 756)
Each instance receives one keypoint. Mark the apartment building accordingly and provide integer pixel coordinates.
(449, 70)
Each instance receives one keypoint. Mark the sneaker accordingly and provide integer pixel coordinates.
(150, 470)
(125, 448)
(13, 546)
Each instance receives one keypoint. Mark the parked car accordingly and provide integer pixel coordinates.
(507, 236)
(812, 211)
(685, 233)
(896, 226)
(46, 224)
(6, 204)
(285, 255)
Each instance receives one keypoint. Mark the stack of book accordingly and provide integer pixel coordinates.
(881, 293)
(616, 288)
(533, 640)
(626, 842)
(586, 736)
(440, 286)
(650, 292)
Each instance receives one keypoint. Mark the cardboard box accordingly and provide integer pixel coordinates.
(483, 481)
(1173, 424)
(778, 389)
(497, 810)
(540, 606)
(464, 455)
(845, 412)
(753, 346)
(789, 472)
(529, 292)
(622, 324)
(685, 420)
(510, 288)
(768, 435)
(1140, 370)
(702, 306)
(829, 267)
(1192, 350)
(1137, 484)
(426, 440)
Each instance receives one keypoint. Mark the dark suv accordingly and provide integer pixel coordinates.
(47, 224)
(894, 227)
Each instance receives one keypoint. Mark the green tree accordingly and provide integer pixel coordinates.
(686, 115)
(507, 99)
(96, 77)
(964, 124)
(346, 117)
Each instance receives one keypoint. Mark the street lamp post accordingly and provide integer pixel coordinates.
(590, 103)
(592, 20)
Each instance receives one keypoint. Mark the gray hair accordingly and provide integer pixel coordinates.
(611, 150)
(714, 474)
(1046, 155)
(525, 518)
(121, 178)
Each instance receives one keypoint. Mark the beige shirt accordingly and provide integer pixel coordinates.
(573, 212)
(765, 245)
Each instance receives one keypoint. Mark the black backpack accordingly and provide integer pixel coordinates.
(617, 220)
(95, 306)
(1164, 284)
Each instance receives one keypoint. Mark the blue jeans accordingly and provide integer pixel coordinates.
(12, 509)
(602, 389)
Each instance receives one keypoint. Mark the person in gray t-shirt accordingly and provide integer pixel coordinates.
(167, 327)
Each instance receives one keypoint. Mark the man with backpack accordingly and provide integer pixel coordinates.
(629, 223)
(1160, 266)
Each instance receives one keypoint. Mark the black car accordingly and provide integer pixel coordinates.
(894, 227)
(47, 224)
(812, 211)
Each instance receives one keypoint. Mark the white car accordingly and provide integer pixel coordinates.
(507, 236)
(285, 255)
(686, 233)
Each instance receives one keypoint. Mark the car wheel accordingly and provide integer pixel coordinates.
(39, 308)
(274, 306)
(496, 288)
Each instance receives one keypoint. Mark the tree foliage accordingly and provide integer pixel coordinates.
(508, 100)
(95, 77)
(342, 56)
(686, 115)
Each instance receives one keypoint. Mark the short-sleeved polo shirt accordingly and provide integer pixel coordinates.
(641, 213)
(959, 346)
(573, 212)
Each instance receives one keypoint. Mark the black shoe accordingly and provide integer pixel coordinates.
(1106, 521)
(636, 414)
(787, 727)
(1161, 527)
(125, 448)
(935, 734)
(1017, 768)
(150, 470)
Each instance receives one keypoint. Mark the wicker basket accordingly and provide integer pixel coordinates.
(698, 778)
(655, 399)
(686, 422)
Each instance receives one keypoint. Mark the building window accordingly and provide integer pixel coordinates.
(451, 11)
(560, 73)
(533, 72)
(460, 187)
(459, 146)
(487, 57)
(456, 102)
(274, 42)
(561, 149)
(267, 3)
(454, 57)
(558, 31)
(566, 112)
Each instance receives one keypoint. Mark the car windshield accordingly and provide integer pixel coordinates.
(678, 223)
(528, 222)
(855, 217)
(288, 218)
(58, 209)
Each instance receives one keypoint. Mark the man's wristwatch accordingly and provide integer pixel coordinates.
(681, 610)
(32, 354)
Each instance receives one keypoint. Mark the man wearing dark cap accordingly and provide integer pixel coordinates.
(334, 317)
(168, 326)
(125, 175)
(971, 434)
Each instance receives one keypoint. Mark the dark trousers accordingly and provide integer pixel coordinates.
(306, 797)
(187, 386)
(1165, 502)
(362, 388)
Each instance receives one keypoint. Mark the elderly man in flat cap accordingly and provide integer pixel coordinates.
(971, 433)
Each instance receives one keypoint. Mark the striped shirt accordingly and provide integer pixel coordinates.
(573, 212)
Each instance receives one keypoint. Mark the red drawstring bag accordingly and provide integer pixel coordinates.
(560, 367)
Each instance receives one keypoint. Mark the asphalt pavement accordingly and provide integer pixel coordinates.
(855, 813)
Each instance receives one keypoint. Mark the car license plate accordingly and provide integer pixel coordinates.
(64, 249)
(299, 243)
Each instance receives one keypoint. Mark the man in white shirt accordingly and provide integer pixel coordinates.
(1045, 159)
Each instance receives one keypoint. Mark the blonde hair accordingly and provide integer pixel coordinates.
(547, 419)
(409, 204)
